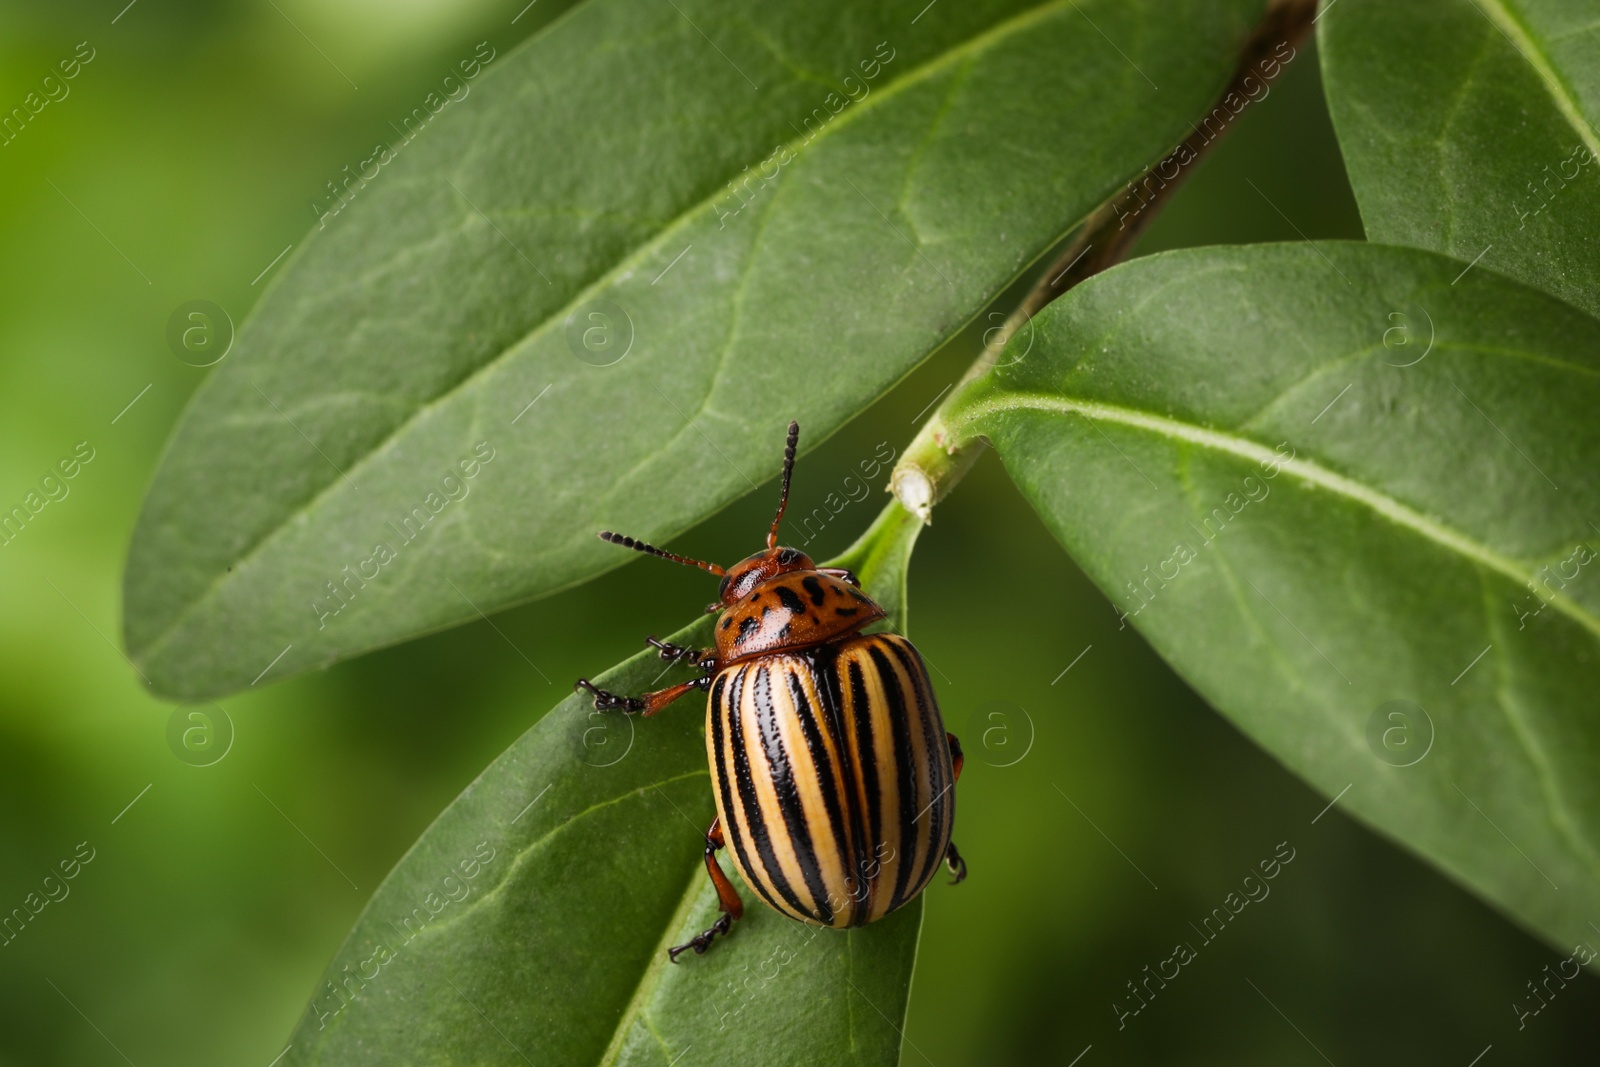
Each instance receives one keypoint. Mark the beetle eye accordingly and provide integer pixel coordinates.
(722, 589)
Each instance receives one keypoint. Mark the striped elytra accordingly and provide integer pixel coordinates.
(833, 776)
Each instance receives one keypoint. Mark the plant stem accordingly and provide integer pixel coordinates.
(936, 459)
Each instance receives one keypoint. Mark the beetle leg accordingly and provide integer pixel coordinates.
(843, 574)
(701, 660)
(727, 898)
(654, 702)
(952, 858)
(646, 705)
(957, 865)
(606, 701)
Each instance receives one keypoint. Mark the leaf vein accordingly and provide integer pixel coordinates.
(1523, 41)
(976, 44)
(1543, 771)
(967, 421)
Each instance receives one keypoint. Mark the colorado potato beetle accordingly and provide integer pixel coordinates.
(833, 774)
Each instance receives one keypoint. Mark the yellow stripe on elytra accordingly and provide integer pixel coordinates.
(832, 851)
(769, 806)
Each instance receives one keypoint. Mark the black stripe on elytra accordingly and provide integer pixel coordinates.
(830, 687)
(791, 600)
(905, 769)
(790, 806)
(941, 809)
(724, 699)
(814, 586)
(828, 779)
(867, 770)
(755, 822)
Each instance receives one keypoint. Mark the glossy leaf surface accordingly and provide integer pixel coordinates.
(1355, 505)
(644, 242)
(1469, 127)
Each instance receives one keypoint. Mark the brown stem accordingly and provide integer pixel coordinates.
(932, 464)
(1108, 234)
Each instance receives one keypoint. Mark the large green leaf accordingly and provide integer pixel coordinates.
(553, 950)
(592, 173)
(1468, 127)
(1320, 479)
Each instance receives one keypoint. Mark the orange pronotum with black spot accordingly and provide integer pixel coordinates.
(834, 776)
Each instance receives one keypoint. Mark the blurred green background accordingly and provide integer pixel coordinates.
(180, 165)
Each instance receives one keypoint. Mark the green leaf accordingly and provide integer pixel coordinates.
(1468, 127)
(553, 950)
(1321, 479)
(596, 171)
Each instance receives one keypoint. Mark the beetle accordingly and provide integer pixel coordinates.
(833, 774)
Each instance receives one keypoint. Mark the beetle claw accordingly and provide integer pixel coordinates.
(702, 941)
(604, 701)
(671, 653)
(956, 865)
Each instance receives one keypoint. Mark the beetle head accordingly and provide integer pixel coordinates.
(751, 571)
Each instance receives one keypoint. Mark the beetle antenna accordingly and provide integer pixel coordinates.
(788, 470)
(652, 550)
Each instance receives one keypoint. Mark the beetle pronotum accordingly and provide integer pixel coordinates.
(833, 773)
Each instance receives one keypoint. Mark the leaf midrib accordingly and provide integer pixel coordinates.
(650, 978)
(967, 421)
(1502, 18)
(844, 120)
(521, 856)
